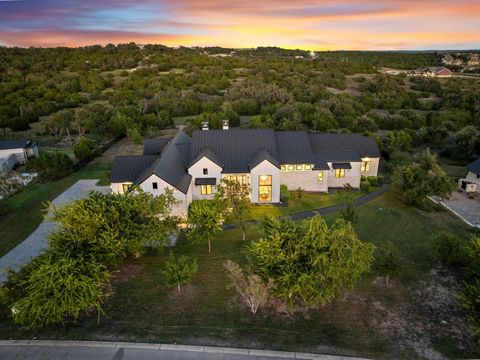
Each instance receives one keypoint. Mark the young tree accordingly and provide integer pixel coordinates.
(238, 205)
(349, 213)
(251, 287)
(310, 261)
(85, 149)
(387, 261)
(422, 178)
(205, 218)
(179, 270)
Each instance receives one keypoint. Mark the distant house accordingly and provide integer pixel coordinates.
(261, 158)
(474, 60)
(435, 71)
(13, 152)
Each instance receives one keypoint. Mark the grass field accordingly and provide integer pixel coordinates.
(25, 208)
(207, 312)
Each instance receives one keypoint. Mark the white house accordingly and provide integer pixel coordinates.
(13, 152)
(471, 183)
(262, 158)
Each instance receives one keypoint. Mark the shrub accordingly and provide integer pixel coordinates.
(365, 185)
(85, 149)
(448, 248)
(284, 194)
(373, 180)
(179, 271)
(3, 209)
(470, 300)
(349, 213)
(51, 166)
(387, 261)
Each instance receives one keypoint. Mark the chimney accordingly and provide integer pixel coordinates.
(225, 125)
(205, 125)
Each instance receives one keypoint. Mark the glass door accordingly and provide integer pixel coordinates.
(265, 188)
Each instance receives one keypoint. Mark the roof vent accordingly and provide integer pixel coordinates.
(225, 124)
(205, 125)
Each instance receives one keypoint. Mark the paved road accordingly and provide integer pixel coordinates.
(33, 245)
(50, 350)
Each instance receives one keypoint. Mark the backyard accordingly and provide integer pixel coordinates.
(414, 317)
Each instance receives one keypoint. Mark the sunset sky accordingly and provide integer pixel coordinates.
(305, 24)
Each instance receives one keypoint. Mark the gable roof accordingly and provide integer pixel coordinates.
(128, 168)
(474, 167)
(209, 154)
(154, 146)
(261, 156)
(293, 147)
(332, 143)
(235, 148)
(15, 144)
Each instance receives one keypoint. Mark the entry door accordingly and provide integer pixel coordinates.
(265, 188)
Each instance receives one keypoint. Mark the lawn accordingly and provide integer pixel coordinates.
(25, 208)
(306, 202)
(208, 313)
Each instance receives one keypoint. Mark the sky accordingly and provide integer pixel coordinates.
(303, 24)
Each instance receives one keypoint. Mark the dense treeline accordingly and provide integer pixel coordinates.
(136, 90)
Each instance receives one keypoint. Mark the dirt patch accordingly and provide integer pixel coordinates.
(430, 312)
(187, 294)
(125, 273)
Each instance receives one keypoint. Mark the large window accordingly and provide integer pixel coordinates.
(265, 188)
(206, 189)
(366, 166)
(242, 179)
(126, 188)
(340, 173)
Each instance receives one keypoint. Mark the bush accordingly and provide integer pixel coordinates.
(3, 209)
(179, 271)
(284, 194)
(470, 300)
(373, 180)
(51, 166)
(365, 185)
(85, 149)
(449, 249)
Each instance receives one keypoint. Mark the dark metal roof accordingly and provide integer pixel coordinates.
(293, 147)
(341, 165)
(205, 181)
(209, 154)
(154, 146)
(474, 167)
(235, 148)
(263, 155)
(128, 168)
(14, 144)
(325, 142)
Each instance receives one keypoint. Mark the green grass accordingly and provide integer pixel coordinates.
(142, 308)
(25, 208)
(305, 203)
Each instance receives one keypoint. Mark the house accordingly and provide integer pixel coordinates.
(262, 158)
(21, 149)
(471, 182)
(435, 71)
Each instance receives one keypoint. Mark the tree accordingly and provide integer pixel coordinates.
(253, 290)
(238, 204)
(59, 290)
(61, 121)
(85, 149)
(179, 271)
(422, 178)
(387, 261)
(349, 213)
(205, 218)
(310, 261)
(51, 166)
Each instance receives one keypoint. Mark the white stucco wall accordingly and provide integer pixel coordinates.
(196, 170)
(307, 180)
(265, 168)
(352, 176)
(181, 209)
(117, 188)
(373, 167)
(19, 154)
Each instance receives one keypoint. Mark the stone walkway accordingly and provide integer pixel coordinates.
(33, 245)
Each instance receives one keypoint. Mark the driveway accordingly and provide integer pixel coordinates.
(33, 245)
(468, 209)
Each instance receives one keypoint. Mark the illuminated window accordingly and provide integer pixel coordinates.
(299, 167)
(366, 165)
(206, 189)
(126, 188)
(307, 167)
(290, 168)
(283, 167)
(265, 188)
(241, 179)
(340, 173)
(320, 176)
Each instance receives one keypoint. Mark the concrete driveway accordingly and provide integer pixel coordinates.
(466, 208)
(33, 245)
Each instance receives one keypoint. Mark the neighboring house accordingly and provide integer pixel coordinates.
(261, 158)
(435, 71)
(471, 183)
(21, 149)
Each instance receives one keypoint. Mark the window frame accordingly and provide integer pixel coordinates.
(339, 173)
(320, 176)
(206, 189)
(155, 185)
(205, 171)
(366, 165)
